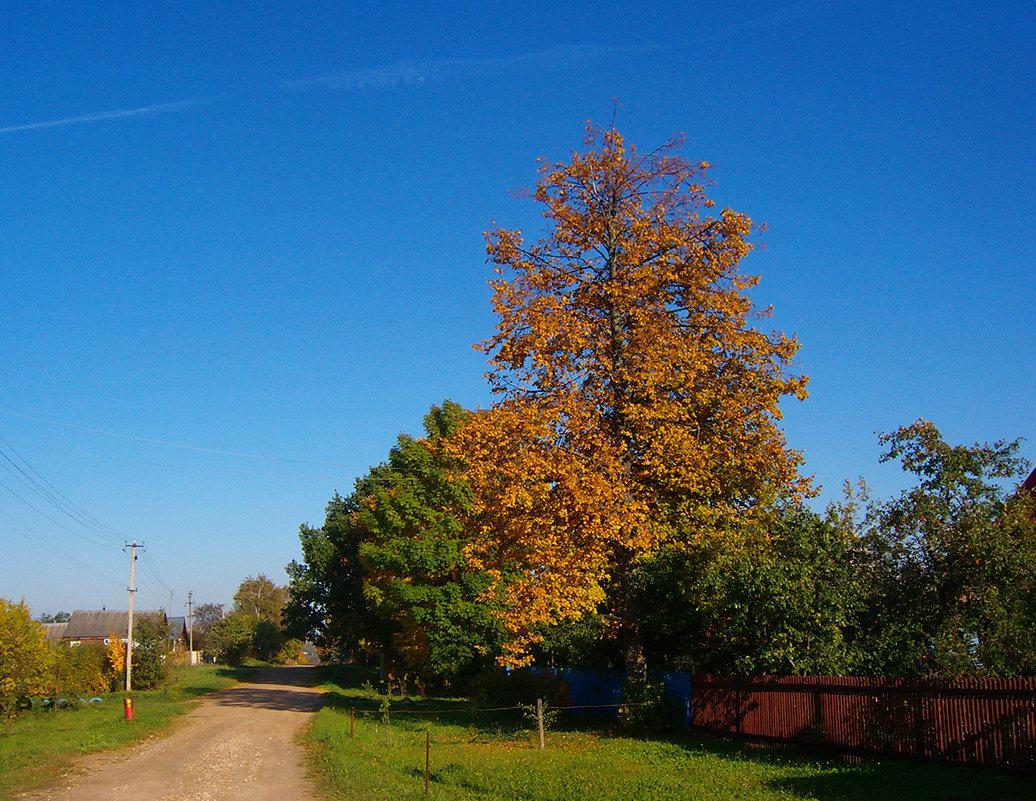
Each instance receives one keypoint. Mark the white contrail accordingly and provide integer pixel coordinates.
(158, 108)
(387, 76)
(411, 73)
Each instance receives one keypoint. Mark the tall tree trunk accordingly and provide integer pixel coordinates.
(632, 635)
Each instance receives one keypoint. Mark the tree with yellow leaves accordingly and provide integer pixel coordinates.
(26, 661)
(638, 404)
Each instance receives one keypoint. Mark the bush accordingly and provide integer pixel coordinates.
(26, 660)
(290, 653)
(83, 670)
(149, 668)
(643, 707)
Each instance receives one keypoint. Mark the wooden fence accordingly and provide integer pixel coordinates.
(982, 722)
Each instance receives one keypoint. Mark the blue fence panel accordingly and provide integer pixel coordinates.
(678, 697)
(603, 690)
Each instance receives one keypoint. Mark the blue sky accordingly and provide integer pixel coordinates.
(242, 250)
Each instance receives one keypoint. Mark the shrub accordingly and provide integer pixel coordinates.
(290, 653)
(643, 707)
(149, 668)
(26, 660)
(83, 670)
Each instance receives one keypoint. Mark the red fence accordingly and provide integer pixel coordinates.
(989, 722)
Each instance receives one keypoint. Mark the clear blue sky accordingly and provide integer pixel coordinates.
(241, 247)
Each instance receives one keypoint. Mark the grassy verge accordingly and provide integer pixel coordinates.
(493, 757)
(41, 745)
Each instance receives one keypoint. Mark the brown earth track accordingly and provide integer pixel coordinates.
(239, 744)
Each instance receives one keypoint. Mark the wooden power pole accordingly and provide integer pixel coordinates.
(129, 623)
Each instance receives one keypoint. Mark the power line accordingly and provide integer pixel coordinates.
(58, 523)
(149, 565)
(168, 444)
(60, 552)
(38, 484)
(193, 468)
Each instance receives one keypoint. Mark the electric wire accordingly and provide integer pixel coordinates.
(31, 479)
(62, 553)
(150, 567)
(58, 523)
(168, 444)
(43, 488)
(190, 468)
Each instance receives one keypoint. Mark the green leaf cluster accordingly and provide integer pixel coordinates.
(950, 564)
(388, 569)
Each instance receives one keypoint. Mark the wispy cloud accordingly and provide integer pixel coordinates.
(386, 76)
(416, 73)
(157, 108)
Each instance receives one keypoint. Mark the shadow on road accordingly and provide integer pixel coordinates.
(284, 688)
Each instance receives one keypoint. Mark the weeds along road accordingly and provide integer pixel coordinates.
(239, 744)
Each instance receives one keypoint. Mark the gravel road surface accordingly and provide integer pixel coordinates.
(239, 744)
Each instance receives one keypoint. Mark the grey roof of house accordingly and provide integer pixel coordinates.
(177, 627)
(54, 631)
(98, 625)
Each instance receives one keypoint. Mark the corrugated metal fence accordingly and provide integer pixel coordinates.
(988, 722)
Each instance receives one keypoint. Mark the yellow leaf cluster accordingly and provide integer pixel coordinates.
(638, 402)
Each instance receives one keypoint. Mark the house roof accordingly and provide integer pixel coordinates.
(54, 631)
(1030, 483)
(177, 627)
(93, 625)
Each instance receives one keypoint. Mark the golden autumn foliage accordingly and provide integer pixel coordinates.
(638, 404)
(25, 659)
(115, 652)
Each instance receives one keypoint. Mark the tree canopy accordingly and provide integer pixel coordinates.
(25, 659)
(951, 562)
(261, 599)
(638, 402)
(387, 569)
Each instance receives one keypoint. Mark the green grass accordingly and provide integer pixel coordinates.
(41, 745)
(496, 757)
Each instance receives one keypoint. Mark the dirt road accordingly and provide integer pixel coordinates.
(239, 744)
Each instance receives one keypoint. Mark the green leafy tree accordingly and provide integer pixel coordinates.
(387, 568)
(205, 617)
(57, 617)
(951, 563)
(234, 636)
(778, 605)
(326, 600)
(25, 659)
(151, 639)
(435, 613)
(254, 628)
(261, 599)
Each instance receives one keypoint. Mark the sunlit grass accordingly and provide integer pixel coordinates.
(491, 758)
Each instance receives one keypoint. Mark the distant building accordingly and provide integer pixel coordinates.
(178, 634)
(99, 627)
(54, 632)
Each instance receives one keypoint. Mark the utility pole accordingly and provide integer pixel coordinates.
(129, 624)
(190, 627)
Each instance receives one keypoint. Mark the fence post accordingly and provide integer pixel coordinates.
(539, 719)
